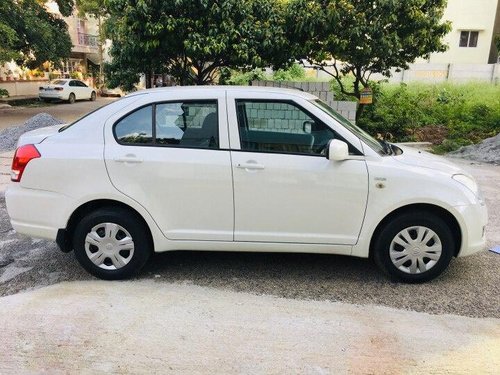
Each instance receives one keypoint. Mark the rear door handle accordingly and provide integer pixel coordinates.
(128, 159)
(253, 166)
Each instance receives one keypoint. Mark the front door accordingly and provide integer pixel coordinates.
(285, 189)
(168, 157)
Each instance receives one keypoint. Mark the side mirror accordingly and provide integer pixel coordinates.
(337, 150)
(307, 126)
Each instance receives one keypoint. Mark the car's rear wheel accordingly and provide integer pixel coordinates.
(414, 247)
(93, 96)
(112, 243)
(71, 98)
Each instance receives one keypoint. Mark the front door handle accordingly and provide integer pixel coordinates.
(250, 166)
(128, 159)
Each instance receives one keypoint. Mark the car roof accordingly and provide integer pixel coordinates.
(216, 88)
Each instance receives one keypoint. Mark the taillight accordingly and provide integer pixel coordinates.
(21, 159)
(58, 88)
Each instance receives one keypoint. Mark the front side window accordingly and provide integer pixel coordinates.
(468, 38)
(182, 124)
(276, 126)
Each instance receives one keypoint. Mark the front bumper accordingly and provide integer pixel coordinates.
(474, 220)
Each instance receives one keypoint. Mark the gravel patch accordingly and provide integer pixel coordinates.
(488, 151)
(9, 136)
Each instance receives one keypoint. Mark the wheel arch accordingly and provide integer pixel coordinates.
(93, 205)
(441, 212)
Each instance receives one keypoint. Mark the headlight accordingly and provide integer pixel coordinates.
(468, 182)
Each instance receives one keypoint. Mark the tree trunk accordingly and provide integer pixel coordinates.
(149, 79)
(359, 111)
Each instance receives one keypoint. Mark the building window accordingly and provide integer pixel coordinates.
(468, 38)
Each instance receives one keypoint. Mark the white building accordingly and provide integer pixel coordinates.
(472, 38)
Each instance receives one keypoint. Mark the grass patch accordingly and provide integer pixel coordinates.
(447, 115)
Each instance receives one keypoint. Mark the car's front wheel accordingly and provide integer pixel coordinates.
(111, 243)
(414, 247)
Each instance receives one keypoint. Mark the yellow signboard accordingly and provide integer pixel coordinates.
(366, 96)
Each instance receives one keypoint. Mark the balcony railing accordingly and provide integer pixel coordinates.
(87, 40)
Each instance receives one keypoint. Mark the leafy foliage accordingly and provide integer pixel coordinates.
(194, 40)
(369, 36)
(294, 73)
(31, 35)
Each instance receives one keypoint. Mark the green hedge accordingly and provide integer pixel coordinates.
(448, 115)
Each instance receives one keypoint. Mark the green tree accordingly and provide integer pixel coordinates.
(194, 40)
(357, 38)
(31, 35)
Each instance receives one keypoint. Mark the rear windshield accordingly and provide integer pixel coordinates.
(123, 99)
(58, 82)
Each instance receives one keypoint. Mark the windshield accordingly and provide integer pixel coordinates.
(88, 114)
(58, 82)
(360, 133)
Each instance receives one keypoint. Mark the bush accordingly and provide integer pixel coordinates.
(244, 78)
(4, 92)
(295, 73)
(452, 115)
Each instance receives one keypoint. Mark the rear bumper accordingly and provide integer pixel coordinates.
(475, 218)
(50, 95)
(36, 213)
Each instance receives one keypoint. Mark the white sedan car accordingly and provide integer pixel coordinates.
(66, 89)
(238, 169)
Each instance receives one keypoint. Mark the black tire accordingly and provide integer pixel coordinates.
(71, 98)
(125, 219)
(382, 244)
(93, 96)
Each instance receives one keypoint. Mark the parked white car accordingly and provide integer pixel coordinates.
(238, 169)
(66, 89)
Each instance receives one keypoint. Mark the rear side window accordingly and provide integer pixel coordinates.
(191, 124)
(136, 128)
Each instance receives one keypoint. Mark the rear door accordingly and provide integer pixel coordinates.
(83, 90)
(172, 157)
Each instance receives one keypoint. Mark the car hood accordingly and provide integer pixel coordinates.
(423, 159)
(38, 135)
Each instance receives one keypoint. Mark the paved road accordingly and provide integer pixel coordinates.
(63, 111)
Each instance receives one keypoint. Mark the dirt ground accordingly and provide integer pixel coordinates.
(192, 312)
